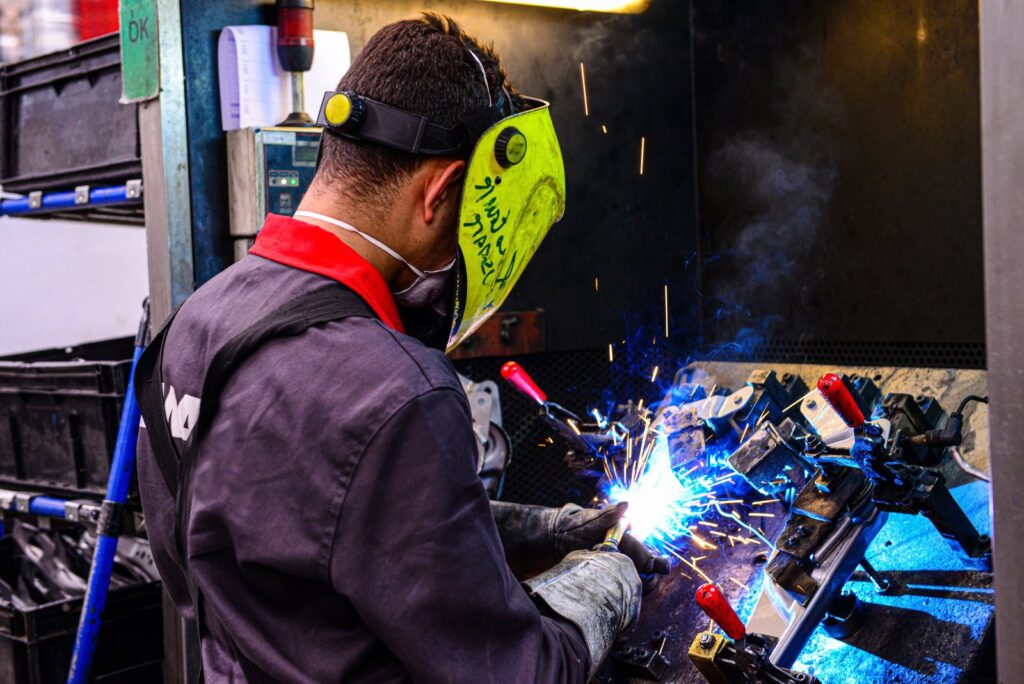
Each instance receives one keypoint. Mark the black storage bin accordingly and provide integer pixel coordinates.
(62, 126)
(36, 644)
(59, 415)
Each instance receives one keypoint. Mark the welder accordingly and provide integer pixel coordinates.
(307, 467)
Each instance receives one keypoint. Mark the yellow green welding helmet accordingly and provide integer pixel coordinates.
(513, 193)
(514, 188)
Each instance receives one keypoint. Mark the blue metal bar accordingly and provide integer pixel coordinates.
(58, 200)
(66, 200)
(47, 505)
(15, 206)
(109, 525)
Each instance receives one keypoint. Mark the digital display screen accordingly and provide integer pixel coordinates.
(305, 153)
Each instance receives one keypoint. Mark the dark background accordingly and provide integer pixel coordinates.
(839, 174)
(812, 180)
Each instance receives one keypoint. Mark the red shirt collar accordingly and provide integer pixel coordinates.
(306, 247)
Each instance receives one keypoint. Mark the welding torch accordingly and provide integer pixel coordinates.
(614, 536)
(514, 374)
(592, 439)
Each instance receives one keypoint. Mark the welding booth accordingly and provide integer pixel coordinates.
(762, 199)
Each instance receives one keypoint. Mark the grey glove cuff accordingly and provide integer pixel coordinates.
(527, 534)
(597, 591)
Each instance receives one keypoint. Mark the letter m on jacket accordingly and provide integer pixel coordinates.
(181, 415)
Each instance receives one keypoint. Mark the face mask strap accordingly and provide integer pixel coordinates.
(369, 238)
(483, 73)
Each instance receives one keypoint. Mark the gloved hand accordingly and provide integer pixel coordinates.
(597, 591)
(537, 537)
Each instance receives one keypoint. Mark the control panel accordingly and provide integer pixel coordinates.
(269, 170)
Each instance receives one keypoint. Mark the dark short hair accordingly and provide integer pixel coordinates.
(423, 66)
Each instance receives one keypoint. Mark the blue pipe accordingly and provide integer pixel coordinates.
(66, 200)
(107, 533)
(47, 505)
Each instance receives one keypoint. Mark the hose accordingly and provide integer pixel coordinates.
(957, 457)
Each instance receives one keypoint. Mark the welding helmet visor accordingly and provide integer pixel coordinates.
(514, 191)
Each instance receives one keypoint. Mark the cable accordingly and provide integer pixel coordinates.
(968, 399)
(957, 457)
(964, 466)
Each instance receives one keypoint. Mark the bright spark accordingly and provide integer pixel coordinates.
(583, 80)
(666, 313)
(661, 507)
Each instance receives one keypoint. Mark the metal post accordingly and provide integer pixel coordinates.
(1002, 152)
(168, 208)
(165, 171)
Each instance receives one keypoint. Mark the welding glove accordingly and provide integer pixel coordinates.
(597, 591)
(537, 537)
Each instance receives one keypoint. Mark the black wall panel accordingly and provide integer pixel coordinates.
(839, 174)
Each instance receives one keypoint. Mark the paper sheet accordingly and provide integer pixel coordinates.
(256, 91)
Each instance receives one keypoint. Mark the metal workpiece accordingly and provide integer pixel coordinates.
(766, 455)
(947, 387)
(494, 448)
(828, 493)
(834, 572)
(844, 563)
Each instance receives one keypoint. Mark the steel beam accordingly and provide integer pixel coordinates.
(165, 171)
(1002, 132)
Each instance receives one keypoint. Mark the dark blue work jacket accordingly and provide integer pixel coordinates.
(338, 529)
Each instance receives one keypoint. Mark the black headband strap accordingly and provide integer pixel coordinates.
(401, 130)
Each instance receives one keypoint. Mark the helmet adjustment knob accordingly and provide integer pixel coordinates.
(510, 147)
(345, 111)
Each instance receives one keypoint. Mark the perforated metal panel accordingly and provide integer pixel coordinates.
(538, 474)
(912, 354)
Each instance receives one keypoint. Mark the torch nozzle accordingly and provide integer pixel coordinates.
(614, 536)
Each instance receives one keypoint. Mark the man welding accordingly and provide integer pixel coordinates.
(307, 469)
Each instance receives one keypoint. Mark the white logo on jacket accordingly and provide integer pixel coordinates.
(181, 416)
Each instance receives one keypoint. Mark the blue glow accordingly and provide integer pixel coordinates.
(667, 503)
(661, 507)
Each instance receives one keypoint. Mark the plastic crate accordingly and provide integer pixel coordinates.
(59, 415)
(36, 644)
(62, 126)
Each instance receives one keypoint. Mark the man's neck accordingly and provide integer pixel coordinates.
(389, 268)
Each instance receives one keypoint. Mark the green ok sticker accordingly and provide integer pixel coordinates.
(140, 51)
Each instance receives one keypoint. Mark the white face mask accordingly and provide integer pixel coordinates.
(426, 290)
(428, 287)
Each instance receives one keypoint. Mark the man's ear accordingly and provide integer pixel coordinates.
(444, 179)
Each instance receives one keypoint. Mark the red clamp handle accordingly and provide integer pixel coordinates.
(711, 601)
(838, 395)
(519, 379)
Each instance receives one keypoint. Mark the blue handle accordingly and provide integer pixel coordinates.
(106, 543)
